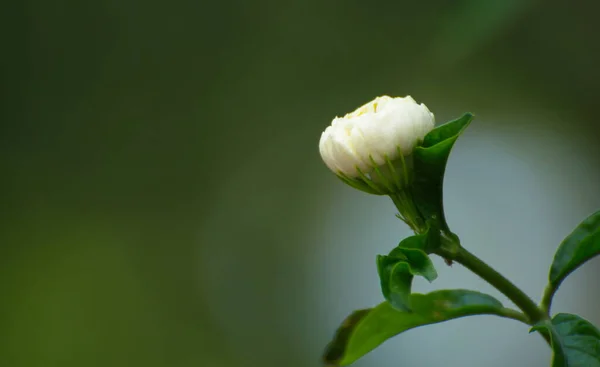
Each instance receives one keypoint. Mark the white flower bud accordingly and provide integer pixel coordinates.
(369, 147)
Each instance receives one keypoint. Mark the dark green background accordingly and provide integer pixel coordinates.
(163, 200)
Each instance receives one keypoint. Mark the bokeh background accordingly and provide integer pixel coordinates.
(164, 203)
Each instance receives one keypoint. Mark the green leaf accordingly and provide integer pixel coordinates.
(396, 281)
(364, 330)
(427, 241)
(429, 166)
(575, 341)
(580, 246)
(449, 130)
(398, 268)
(419, 262)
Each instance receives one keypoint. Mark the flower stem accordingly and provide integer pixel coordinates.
(462, 256)
(533, 314)
(547, 299)
(487, 273)
(509, 313)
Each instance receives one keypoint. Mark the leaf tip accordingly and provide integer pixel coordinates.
(335, 352)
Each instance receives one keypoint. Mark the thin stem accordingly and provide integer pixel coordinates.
(546, 303)
(516, 295)
(532, 312)
(509, 313)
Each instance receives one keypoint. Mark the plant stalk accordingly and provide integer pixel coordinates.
(514, 314)
(487, 273)
(546, 303)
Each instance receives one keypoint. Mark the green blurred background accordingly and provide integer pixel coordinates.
(163, 199)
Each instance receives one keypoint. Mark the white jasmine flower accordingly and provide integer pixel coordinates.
(370, 148)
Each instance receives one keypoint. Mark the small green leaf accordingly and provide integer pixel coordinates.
(420, 263)
(365, 330)
(396, 278)
(398, 268)
(417, 241)
(427, 241)
(429, 166)
(575, 341)
(580, 246)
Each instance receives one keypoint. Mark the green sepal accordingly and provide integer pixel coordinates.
(358, 184)
(575, 341)
(429, 166)
(398, 268)
(577, 248)
(366, 329)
